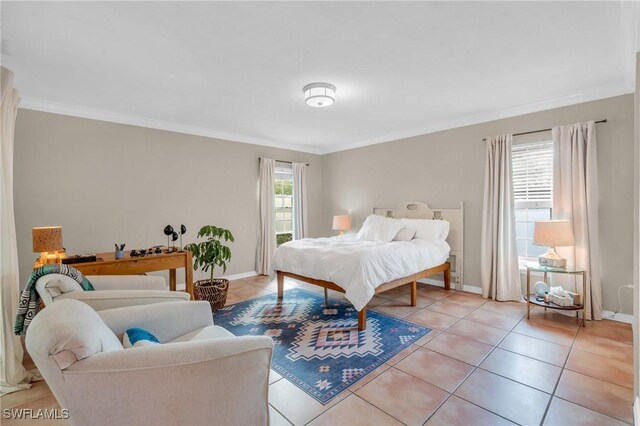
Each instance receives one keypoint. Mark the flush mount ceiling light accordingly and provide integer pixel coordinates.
(319, 95)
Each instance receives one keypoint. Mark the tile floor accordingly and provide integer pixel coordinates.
(484, 363)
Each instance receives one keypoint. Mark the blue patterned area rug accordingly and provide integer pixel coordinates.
(320, 349)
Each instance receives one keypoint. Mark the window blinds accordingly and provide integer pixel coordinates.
(533, 171)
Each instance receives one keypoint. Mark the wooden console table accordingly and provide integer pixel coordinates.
(107, 264)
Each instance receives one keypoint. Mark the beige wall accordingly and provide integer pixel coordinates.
(447, 167)
(107, 183)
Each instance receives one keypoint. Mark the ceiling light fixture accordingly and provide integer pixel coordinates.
(319, 95)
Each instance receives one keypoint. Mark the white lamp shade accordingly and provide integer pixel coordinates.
(342, 222)
(553, 233)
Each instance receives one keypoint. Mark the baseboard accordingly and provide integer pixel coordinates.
(241, 275)
(439, 283)
(620, 317)
(636, 411)
(472, 289)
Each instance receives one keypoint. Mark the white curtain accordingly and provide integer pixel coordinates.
(575, 197)
(13, 373)
(267, 232)
(300, 223)
(499, 255)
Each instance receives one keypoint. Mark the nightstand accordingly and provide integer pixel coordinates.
(531, 298)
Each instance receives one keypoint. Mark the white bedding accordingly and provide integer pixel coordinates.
(358, 266)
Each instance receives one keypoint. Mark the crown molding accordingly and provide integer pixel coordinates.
(468, 120)
(132, 120)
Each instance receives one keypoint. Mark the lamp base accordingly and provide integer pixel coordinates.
(50, 257)
(551, 259)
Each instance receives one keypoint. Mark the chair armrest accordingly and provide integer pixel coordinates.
(166, 321)
(100, 300)
(169, 355)
(127, 282)
(221, 381)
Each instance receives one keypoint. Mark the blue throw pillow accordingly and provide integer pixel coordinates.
(135, 337)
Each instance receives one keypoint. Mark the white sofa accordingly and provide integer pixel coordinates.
(199, 374)
(111, 291)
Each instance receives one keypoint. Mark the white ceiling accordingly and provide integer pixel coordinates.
(235, 70)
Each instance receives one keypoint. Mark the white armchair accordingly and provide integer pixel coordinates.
(199, 374)
(111, 291)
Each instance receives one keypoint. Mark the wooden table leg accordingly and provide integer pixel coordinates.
(414, 293)
(280, 278)
(326, 297)
(447, 277)
(188, 275)
(172, 279)
(362, 319)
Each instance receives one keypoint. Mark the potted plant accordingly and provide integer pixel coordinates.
(208, 255)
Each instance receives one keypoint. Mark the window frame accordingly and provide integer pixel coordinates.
(528, 204)
(282, 169)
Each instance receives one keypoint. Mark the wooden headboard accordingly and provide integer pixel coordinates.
(455, 217)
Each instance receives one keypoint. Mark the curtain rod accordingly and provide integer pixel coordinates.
(285, 162)
(543, 130)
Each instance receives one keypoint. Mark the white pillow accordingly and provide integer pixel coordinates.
(405, 234)
(135, 337)
(379, 228)
(435, 231)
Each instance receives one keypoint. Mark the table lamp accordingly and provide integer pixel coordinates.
(47, 240)
(553, 233)
(342, 223)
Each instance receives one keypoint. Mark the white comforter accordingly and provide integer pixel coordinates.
(358, 266)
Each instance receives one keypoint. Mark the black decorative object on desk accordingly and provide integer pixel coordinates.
(168, 231)
(174, 238)
(183, 230)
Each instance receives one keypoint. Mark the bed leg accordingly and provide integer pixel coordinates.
(362, 319)
(447, 277)
(326, 297)
(280, 284)
(414, 293)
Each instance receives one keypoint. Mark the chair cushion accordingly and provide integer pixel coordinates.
(209, 332)
(69, 331)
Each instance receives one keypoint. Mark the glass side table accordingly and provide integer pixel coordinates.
(531, 298)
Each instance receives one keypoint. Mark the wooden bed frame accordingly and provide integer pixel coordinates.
(415, 210)
(362, 314)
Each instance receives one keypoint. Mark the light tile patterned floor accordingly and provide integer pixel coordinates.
(483, 364)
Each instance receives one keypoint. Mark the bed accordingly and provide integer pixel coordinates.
(363, 268)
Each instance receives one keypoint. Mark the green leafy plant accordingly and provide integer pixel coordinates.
(211, 253)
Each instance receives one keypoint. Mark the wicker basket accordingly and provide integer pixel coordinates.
(213, 291)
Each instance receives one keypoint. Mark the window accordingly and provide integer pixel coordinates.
(532, 192)
(283, 201)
